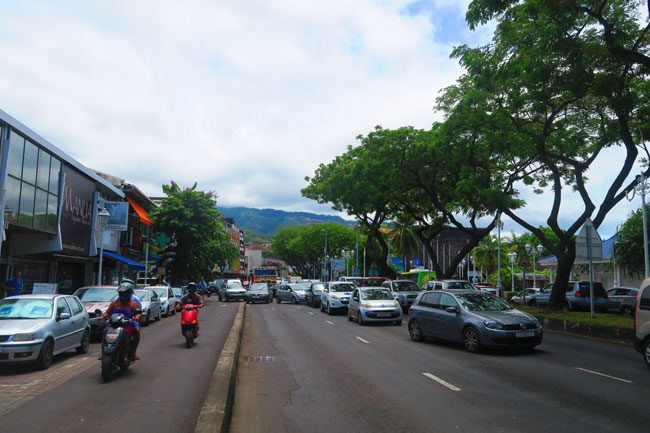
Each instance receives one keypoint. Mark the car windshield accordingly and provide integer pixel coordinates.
(177, 291)
(318, 287)
(347, 287)
(299, 287)
(96, 294)
(405, 286)
(459, 285)
(259, 286)
(235, 286)
(375, 294)
(160, 291)
(482, 302)
(143, 295)
(25, 308)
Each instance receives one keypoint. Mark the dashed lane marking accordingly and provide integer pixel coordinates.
(363, 340)
(311, 313)
(327, 321)
(299, 306)
(273, 308)
(442, 382)
(603, 375)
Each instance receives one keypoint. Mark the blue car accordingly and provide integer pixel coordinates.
(577, 296)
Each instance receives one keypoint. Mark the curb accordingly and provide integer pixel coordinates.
(217, 405)
(600, 332)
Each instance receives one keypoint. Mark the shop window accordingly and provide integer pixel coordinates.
(12, 198)
(26, 212)
(43, 175)
(55, 170)
(52, 211)
(40, 209)
(16, 148)
(30, 162)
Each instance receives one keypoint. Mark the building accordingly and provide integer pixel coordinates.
(238, 267)
(50, 204)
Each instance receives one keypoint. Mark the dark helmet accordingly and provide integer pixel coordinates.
(191, 287)
(125, 290)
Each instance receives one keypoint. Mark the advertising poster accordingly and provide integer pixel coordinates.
(76, 212)
(119, 219)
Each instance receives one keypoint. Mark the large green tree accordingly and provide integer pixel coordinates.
(628, 248)
(199, 242)
(562, 80)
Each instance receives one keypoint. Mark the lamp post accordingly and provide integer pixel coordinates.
(534, 252)
(641, 188)
(462, 267)
(512, 256)
(325, 256)
(103, 216)
(499, 255)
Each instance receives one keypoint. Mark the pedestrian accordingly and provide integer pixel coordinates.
(13, 286)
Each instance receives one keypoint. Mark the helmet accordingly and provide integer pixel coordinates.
(191, 287)
(125, 290)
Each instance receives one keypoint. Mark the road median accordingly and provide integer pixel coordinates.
(217, 405)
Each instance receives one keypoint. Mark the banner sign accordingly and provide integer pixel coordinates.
(43, 288)
(76, 212)
(119, 219)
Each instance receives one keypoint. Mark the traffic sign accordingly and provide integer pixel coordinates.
(524, 262)
(588, 234)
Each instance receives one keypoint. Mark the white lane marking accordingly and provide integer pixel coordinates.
(299, 306)
(603, 375)
(441, 382)
(224, 305)
(327, 321)
(273, 308)
(311, 313)
(362, 340)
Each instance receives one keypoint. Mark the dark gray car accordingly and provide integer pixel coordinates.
(622, 299)
(472, 318)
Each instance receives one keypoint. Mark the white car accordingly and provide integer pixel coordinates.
(518, 298)
(336, 296)
(232, 290)
(166, 298)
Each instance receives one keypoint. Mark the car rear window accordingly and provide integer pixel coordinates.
(644, 302)
(599, 290)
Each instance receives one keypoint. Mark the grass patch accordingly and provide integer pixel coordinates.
(616, 320)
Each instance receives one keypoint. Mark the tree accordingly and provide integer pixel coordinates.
(628, 248)
(562, 80)
(199, 242)
(403, 236)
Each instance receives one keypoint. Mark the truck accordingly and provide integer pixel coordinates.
(264, 274)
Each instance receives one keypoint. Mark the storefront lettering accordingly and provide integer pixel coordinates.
(80, 210)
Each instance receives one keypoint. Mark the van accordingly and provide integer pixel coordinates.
(642, 321)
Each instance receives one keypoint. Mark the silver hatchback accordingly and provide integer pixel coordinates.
(37, 327)
(472, 318)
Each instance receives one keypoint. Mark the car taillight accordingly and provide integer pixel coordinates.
(578, 294)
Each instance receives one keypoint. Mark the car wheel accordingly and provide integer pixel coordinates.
(45, 356)
(360, 319)
(293, 300)
(225, 298)
(329, 309)
(174, 311)
(145, 322)
(85, 343)
(157, 318)
(349, 316)
(277, 300)
(414, 330)
(322, 307)
(646, 351)
(471, 340)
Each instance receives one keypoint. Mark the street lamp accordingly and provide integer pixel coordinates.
(642, 188)
(512, 256)
(325, 255)
(462, 267)
(102, 216)
(535, 252)
(499, 254)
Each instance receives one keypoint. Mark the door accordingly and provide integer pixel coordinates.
(63, 328)
(428, 312)
(78, 319)
(449, 325)
(353, 306)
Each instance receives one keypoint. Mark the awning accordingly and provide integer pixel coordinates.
(133, 265)
(144, 217)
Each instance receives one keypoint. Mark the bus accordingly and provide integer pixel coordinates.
(419, 276)
(265, 274)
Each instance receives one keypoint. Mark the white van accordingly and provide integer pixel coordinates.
(642, 321)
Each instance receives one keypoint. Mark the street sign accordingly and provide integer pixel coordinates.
(589, 234)
(524, 261)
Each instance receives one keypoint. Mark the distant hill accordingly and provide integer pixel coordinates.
(269, 221)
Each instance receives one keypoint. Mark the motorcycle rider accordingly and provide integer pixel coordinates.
(191, 297)
(125, 304)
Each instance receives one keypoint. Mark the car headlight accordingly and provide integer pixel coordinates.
(335, 297)
(366, 305)
(493, 325)
(395, 304)
(24, 337)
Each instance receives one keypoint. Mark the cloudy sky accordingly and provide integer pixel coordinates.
(245, 97)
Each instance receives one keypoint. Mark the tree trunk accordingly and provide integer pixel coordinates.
(565, 262)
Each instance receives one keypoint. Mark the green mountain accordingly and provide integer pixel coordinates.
(269, 221)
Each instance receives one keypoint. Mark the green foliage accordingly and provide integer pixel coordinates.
(199, 242)
(252, 237)
(628, 249)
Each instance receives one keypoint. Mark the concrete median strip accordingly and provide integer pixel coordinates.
(218, 402)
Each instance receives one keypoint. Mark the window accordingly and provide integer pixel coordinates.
(62, 307)
(74, 305)
(43, 174)
(26, 212)
(430, 300)
(446, 300)
(644, 302)
(12, 198)
(55, 170)
(16, 148)
(30, 162)
(40, 210)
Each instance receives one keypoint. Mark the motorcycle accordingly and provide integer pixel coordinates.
(116, 346)
(190, 323)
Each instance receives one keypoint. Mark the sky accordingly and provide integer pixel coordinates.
(244, 97)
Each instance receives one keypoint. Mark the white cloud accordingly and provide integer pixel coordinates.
(244, 97)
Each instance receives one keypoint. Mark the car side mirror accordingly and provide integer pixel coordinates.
(63, 316)
(98, 312)
(452, 310)
(355, 299)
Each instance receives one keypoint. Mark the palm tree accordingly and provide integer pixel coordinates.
(485, 254)
(403, 238)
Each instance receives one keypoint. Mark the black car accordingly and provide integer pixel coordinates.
(313, 293)
(216, 284)
(258, 292)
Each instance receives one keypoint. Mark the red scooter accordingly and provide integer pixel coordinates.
(190, 323)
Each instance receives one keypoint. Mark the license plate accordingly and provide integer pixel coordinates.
(525, 334)
(383, 314)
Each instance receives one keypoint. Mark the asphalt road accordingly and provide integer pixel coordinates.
(303, 371)
(160, 393)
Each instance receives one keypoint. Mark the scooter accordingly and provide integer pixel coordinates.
(190, 323)
(116, 346)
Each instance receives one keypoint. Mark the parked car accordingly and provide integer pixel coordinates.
(577, 296)
(374, 304)
(95, 298)
(293, 293)
(405, 291)
(150, 305)
(178, 294)
(622, 299)
(259, 292)
(472, 318)
(336, 296)
(371, 281)
(38, 327)
(313, 294)
(449, 285)
(166, 299)
(486, 288)
(233, 290)
(216, 284)
(642, 322)
(518, 298)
